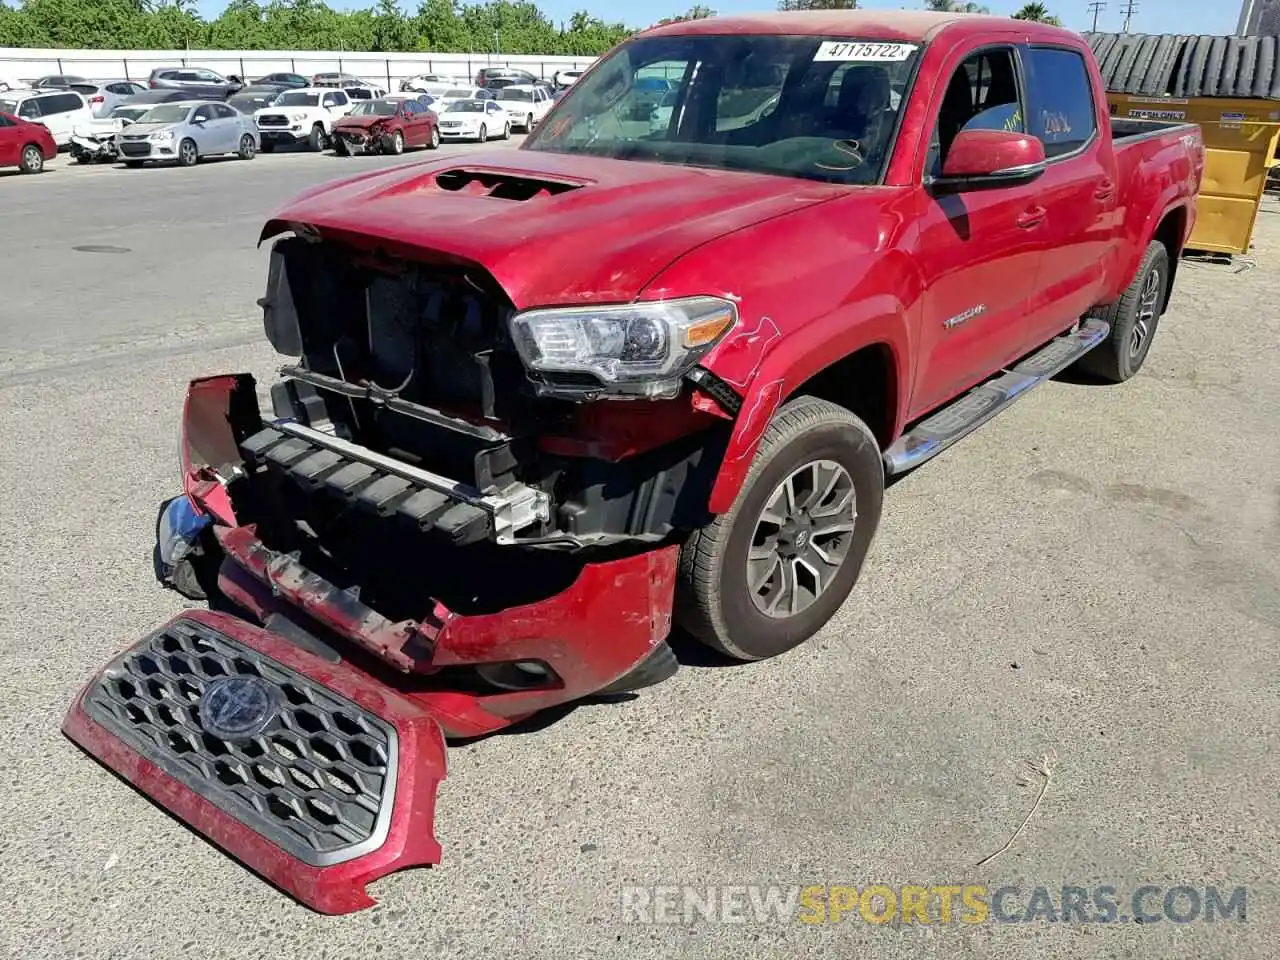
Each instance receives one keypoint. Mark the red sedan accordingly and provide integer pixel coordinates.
(25, 145)
(386, 125)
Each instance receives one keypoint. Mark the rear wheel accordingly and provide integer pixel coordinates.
(32, 159)
(187, 153)
(764, 577)
(1133, 318)
(248, 149)
(435, 139)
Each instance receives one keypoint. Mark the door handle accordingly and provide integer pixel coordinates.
(1031, 218)
(1106, 189)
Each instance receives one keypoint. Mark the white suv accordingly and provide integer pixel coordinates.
(59, 110)
(526, 103)
(302, 116)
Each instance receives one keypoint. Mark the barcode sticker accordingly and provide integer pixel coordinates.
(861, 52)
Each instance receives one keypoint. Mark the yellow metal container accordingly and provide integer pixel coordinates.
(1240, 139)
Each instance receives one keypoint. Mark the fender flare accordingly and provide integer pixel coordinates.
(1169, 201)
(788, 363)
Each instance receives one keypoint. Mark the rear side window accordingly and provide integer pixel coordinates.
(1061, 100)
(61, 103)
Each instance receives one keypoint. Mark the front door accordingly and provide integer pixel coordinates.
(10, 143)
(977, 250)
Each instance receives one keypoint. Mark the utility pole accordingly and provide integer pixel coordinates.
(1096, 7)
(1129, 9)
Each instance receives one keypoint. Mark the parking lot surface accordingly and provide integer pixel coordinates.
(1094, 576)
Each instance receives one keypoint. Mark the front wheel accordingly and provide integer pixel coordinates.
(317, 141)
(1133, 318)
(528, 123)
(32, 159)
(483, 135)
(267, 146)
(248, 149)
(396, 143)
(764, 577)
(187, 153)
(506, 131)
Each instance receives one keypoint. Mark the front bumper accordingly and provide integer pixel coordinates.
(337, 788)
(283, 136)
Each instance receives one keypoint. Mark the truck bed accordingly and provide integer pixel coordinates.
(1127, 129)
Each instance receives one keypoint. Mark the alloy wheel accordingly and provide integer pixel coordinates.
(1148, 302)
(801, 539)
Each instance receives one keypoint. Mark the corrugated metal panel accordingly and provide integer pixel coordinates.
(1174, 65)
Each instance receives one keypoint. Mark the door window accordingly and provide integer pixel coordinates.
(1061, 98)
(29, 110)
(204, 113)
(223, 112)
(61, 103)
(982, 94)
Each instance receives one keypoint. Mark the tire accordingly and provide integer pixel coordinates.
(248, 149)
(396, 144)
(317, 140)
(188, 155)
(528, 123)
(1228, 78)
(267, 146)
(1266, 63)
(83, 158)
(1156, 81)
(1213, 70)
(808, 442)
(506, 130)
(133, 164)
(483, 135)
(31, 160)
(1124, 65)
(1199, 64)
(1133, 318)
(661, 664)
(1245, 72)
(1141, 67)
(340, 147)
(434, 143)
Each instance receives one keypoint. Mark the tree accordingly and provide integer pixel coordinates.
(1037, 12)
(955, 6)
(817, 4)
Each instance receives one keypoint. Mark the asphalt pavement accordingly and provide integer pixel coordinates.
(1094, 576)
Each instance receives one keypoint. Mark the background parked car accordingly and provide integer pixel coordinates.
(301, 116)
(564, 79)
(454, 94)
(478, 120)
(150, 98)
(386, 125)
(425, 99)
(59, 110)
(432, 83)
(24, 145)
(286, 81)
(182, 133)
(94, 141)
(526, 104)
(495, 78)
(57, 81)
(104, 95)
(253, 98)
(196, 81)
(334, 80)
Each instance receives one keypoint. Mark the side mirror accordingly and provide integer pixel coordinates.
(988, 159)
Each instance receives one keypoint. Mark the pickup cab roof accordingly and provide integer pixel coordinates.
(902, 25)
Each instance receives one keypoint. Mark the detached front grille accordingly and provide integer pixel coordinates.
(135, 149)
(318, 780)
(273, 120)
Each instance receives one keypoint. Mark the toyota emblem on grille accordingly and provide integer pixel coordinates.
(236, 708)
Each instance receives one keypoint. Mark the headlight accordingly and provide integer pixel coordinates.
(639, 349)
(297, 117)
(162, 135)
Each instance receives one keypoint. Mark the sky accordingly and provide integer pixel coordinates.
(1151, 16)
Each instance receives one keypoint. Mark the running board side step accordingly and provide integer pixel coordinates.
(962, 416)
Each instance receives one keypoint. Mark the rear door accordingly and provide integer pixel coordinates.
(977, 251)
(9, 142)
(1078, 189)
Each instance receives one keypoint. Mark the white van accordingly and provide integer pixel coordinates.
(59, 110)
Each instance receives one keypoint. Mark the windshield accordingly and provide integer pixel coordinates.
(127, 113)
(466, 106)
(374, 108)
(511, 93)
(165, 113)
(806, 107)
(294, 98)
(457, 92)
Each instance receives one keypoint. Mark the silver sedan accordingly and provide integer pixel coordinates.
(184, 132)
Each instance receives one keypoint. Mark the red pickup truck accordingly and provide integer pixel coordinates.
(653, 366)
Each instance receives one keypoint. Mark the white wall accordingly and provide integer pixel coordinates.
(27, 63)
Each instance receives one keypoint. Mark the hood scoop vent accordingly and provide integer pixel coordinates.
(499, 185)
